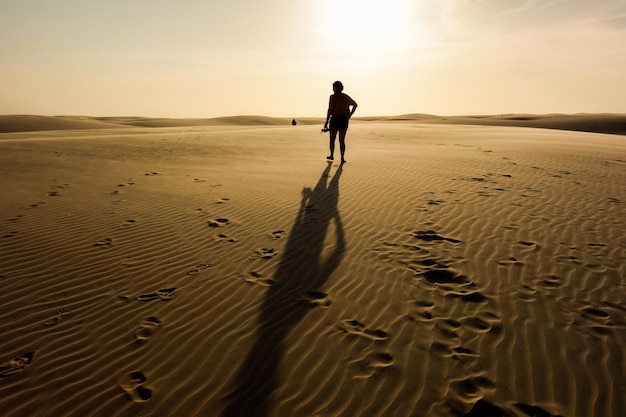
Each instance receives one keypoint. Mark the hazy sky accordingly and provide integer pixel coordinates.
(205, 58)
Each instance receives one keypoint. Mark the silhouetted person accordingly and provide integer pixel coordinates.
(340, 108)
(293, 122)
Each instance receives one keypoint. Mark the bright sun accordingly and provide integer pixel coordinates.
(368, 16)
(367, 25)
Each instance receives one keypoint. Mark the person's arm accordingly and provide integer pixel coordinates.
(354, 106)
(330, 101)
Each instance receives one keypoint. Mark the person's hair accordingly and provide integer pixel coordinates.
(339, 85)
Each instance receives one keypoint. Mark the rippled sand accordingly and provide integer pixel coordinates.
(445, 270)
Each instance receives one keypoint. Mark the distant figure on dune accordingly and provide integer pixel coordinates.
(293, 122)
(340, 108)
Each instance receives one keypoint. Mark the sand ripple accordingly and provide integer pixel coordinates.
(443, 271)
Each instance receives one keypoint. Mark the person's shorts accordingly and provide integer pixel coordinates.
(339, 122)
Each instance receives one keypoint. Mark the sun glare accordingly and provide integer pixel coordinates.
(368, 26)
(363, 17)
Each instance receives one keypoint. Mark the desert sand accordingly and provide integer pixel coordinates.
(151, 267)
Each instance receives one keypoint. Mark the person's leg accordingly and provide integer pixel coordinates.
(342, 143)
(333, 136)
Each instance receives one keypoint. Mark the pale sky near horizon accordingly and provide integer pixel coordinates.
(208, 58)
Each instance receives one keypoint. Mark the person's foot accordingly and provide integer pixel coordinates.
(330, 158)
(343, 161)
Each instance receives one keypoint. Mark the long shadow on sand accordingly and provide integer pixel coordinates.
(301, 271)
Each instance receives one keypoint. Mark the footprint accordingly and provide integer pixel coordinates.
(224, 237)
(527, 245)
(54, 320)
(441, 349)
(474, 297)
(132, 384)
(466, 389)
(595, 314)
(357, 328)
(568, 259)
(196, 270)
(371, 363)
(484, 193)
(315, 299)
(429, 262)
(487, 322)
(264, 253)
(444, 276)
(147, 328)
(164, 294)
(510, 261)
(152, 174)
(595, 267)
(551, 281)
(423, 313)
(483, 408)
(10, 234)
(222, 201)
(16, 365)
(219, 222)
(432, 236)
(435, 202)
(256, 278)
(468, 297)
(526, 293)
(106, 242)
(463, 354)
(277, 234)
(471, 389)
(448, 329)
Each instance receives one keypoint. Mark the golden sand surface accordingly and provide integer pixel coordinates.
(229, 270)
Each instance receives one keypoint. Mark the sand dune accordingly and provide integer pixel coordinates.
(598, 123)
(29, 123)
(216, 121)
(445, 270)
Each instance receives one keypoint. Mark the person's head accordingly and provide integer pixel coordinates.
(337, 87)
